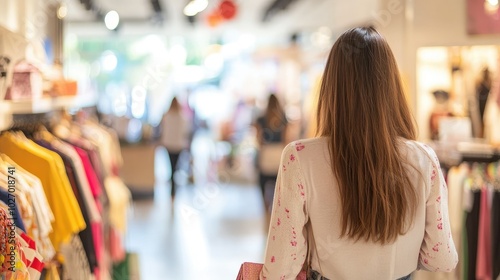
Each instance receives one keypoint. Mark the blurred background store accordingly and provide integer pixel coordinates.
(98, 76)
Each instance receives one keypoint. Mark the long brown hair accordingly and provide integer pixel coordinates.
(275, 115)
(362, 109)
(175, 106)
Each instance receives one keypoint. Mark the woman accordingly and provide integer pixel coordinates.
(271, 134)
(364, 200)
(175, 137)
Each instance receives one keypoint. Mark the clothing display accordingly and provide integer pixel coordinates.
(66, 225)
(427, 245)
(474, 192)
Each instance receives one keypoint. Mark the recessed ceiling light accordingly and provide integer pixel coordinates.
(112, 19)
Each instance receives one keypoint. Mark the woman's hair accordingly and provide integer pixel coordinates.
(362, 109)
(274, 113)
(175, 106)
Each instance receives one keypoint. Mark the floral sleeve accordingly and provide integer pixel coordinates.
(286, 244)
(437, 252)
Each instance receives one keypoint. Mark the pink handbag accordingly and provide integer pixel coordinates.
(251, 271)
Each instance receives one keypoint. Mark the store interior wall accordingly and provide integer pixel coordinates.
(407, 24)
(426, 23)
(8, 14)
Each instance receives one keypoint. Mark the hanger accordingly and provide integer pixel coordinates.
(44, 134)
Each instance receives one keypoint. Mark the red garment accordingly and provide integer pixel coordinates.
(483, 265)
(96, 189)
(95, 184)
(97, 233)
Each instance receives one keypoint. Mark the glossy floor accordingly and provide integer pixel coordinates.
(209, 231)
(208, 236)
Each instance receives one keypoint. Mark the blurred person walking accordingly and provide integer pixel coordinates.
(175, 137)
(363, 200)
(271, 137)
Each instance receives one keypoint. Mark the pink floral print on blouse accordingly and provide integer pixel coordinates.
(438, 247)
(287, 247)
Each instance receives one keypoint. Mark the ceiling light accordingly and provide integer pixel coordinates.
(194, 7)
(112, 20)
(201, 5)
(62, 11)
(190, 9)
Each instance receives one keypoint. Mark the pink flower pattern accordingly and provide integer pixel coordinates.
(292, 157)
(435, 248)
(301, 187)
(299, 146)
(433, 175)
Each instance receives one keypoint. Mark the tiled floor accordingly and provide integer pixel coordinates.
(213, 229)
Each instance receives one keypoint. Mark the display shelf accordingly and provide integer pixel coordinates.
(30, 106)
(45, 105)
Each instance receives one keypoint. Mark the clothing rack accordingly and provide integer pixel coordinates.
(99, 257)
(30, 122)
(486, 158)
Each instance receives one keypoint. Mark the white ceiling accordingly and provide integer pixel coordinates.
(302, 15)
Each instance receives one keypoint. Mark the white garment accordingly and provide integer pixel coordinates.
(43, 212)
(175, 131)
(306, 190)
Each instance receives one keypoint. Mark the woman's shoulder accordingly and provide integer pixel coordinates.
(308, 144)
(420, 149)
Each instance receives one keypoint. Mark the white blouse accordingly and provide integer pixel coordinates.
(306, 191)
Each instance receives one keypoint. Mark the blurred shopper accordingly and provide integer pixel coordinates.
(364, 200)
(175, 137)
(271, 137)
